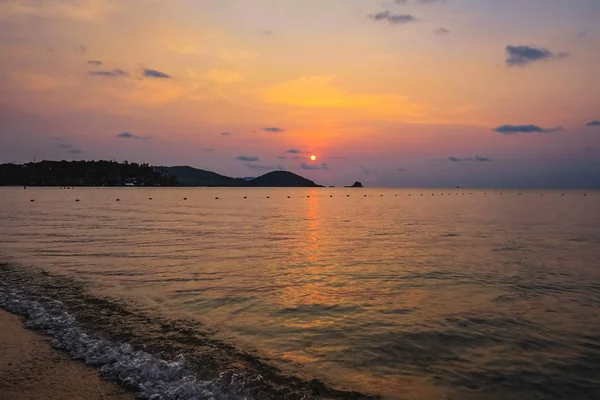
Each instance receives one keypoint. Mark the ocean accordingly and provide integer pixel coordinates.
(248, 293)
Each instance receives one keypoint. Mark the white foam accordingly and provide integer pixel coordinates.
(153, 378)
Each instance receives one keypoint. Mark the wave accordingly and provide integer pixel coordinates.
(156, 357)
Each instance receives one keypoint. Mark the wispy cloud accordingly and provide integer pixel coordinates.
(469, 159)
(75, 151)
(247, 158)
(521, 56)
(441, 31)
(293, 151)
(393, 19)
(110, 74)
(152, 73)
(516, 129)
(266, 167)
(593, 123)
(80, 49)
(225, 134)
(314, 166)
(127, 135)
(94, 62)
(273, 129)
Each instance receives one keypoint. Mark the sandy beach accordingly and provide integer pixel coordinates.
(30, 369)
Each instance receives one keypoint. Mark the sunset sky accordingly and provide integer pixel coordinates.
(488, 93)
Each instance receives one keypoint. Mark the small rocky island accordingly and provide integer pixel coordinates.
(356, 185)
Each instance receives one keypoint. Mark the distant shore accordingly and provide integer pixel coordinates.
(31, 370)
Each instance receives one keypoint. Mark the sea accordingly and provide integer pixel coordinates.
(319, 293)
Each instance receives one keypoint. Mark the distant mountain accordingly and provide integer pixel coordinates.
(111, 173)
(282, 179)
(188, 176)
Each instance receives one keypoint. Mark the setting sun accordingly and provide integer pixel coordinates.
(313, 157)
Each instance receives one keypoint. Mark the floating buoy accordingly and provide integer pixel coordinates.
(216, 198)
(347, 195)
(185, 198)
(149, 198)
(585, 194)
(308, 197)
(245, 197)
(331, 196)
(268, 197)
(76, 199)
(287, 197)
(32, 200)
(118, 200)
(380, 195)
(365, 195)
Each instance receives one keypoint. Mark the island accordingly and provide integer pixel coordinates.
(355, 185)
(112, 173)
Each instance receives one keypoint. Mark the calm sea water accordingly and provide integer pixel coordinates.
(408, 294)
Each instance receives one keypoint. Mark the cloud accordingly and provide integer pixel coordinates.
(392, 19)
(80, 49)
(469, 159)
(314, 166)
(524, 55)
(273, 129)
(225, 134)
(322, 92)
(127, 135)
(208, 150)
(94, 62)
(114, 73)
(223, 76)
(64, 145)
(293, 151)
(75, 151)
(266, 167)
(247, 158)
(593, 123)
(364, 169)
(78, 10)
(282, 158)
(37, 82)
(401, 169)
(515, 129)
(152, 73)
(441, 31)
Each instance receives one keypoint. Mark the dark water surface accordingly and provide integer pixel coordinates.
(406, 294)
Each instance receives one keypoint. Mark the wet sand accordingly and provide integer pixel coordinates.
(30, 369)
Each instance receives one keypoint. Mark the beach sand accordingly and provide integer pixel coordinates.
(30, 369)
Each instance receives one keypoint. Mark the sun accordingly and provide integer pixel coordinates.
(313, 157)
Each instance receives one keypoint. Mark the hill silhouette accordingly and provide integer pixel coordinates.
(111, 173)
(282, 179)
(188, 176)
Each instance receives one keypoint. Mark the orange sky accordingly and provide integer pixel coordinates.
(390, 94)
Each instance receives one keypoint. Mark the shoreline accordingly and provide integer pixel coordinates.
(30, 369)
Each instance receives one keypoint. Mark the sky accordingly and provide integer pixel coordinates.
(392, 93)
